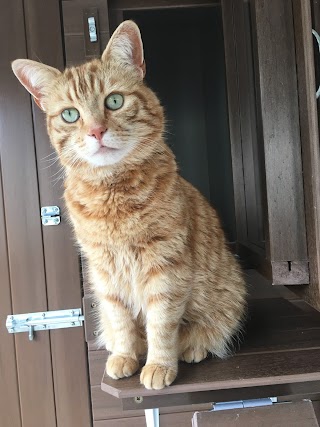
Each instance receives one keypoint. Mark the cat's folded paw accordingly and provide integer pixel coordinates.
(194, 355)
(121, 366)
(157, 376)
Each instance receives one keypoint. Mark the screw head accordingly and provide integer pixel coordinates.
(43, 314)
(138, 399)
(56, 220)
(72, 323)
(44, 326)
(95, 333)
(45, 221)
(93, 305)
(45, 210)
(56, 209)
(11, 330)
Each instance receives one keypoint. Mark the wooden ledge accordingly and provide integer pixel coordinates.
(281, 346)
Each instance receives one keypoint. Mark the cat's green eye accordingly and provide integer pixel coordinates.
(114, 101)
(70, 115)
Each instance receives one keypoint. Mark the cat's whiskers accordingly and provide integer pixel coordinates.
(58, 172)
(53, 161)
(49, 155)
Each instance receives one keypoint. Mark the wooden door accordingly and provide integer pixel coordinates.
(43, 382)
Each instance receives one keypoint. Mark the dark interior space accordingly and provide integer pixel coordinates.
(186, 68)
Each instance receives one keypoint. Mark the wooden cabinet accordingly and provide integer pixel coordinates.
(237, 80)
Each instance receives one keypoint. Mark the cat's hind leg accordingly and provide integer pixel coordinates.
(197, 341)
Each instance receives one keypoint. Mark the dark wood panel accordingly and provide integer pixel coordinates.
(166, 420)
(78, 47)
(310, 142)
(234, 118)
(69, 355)
(9, 391)
(248, 120)
(73, 15)
(290, 414)
(20, 187)
(281, 133)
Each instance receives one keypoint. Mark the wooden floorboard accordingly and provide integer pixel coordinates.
(281, 345)
(241, 371)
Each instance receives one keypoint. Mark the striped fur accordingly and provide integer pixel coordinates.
(166, 283)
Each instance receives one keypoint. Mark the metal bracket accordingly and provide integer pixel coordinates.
(50, 215)
(44, 320)
(250, 403)
(92, 29)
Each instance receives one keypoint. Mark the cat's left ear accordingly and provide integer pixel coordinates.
(125, 47)
(35, 77)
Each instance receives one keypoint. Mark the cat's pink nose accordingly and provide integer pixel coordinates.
(97, 132)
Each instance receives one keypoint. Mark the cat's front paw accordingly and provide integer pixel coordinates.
(121, 366)
(157, 376)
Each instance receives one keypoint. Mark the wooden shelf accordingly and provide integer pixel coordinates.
(281, 346)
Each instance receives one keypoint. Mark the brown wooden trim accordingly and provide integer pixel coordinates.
(159, 4)
(234, 117)
(43, 29)
(9, 389)
(289, 391)
(310, 143)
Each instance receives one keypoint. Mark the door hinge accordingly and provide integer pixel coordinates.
(250, 403)
(44, 320)
(50, 215)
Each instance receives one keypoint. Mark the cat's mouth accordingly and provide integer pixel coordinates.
(105, 150)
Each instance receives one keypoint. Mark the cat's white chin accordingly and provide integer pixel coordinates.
(107, 156)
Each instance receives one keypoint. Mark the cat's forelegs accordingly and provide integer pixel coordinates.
(123, 362)
(163, 318)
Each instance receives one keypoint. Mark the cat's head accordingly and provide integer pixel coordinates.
(100, 114)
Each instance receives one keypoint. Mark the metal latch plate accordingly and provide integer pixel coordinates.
(44, 320)
(92, 29)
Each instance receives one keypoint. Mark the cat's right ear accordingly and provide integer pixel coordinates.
(35, 77)
(125, 47)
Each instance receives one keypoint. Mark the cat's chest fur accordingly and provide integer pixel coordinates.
(107, 212)
(121, 228)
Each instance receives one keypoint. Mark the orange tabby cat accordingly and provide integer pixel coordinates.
(158, 261)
